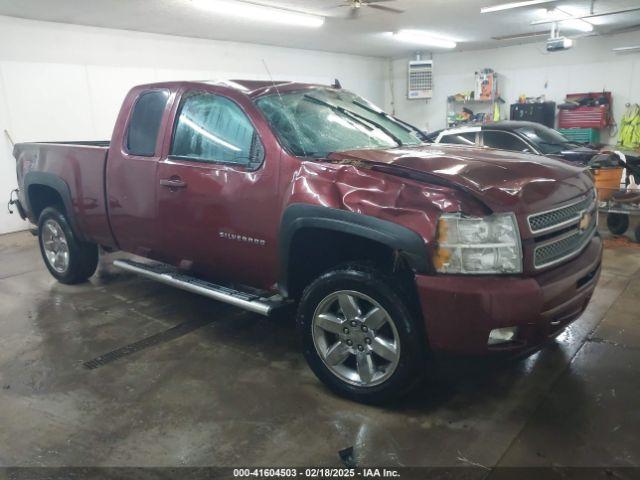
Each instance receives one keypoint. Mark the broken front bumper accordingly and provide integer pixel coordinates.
(460, 311)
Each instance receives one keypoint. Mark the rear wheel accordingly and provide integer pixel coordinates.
(68, 259)
(360, 336)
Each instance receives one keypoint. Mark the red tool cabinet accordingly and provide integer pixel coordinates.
(586, 117)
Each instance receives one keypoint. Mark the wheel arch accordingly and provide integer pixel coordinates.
(301, 222)
(44, 190)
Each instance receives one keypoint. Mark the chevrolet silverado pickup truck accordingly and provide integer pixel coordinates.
(274, 194)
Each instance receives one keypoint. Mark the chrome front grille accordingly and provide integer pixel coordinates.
(562, 248)
(559, 217)
(576, 224)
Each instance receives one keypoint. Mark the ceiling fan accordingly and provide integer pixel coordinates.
(355, 6)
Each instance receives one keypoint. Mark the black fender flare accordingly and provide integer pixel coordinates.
(60, 186)
(298, 216)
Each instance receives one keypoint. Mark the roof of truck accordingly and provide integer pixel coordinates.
(251, 88)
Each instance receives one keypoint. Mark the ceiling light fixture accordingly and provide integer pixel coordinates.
(419, 37)
(567, 20)
(510, 5)
(518, 36)
(262, 13)
(593, 15)
(633, 49)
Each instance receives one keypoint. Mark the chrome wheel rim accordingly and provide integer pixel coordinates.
(356, 338)
(55, 245)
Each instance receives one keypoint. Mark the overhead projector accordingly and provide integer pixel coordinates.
(558, 44)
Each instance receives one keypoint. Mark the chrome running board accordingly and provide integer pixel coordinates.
(172, 276)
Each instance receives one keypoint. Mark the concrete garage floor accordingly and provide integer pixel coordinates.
(212, 385)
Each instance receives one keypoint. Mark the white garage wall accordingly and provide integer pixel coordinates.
(8, 223)
(526, 69)
(66, 82)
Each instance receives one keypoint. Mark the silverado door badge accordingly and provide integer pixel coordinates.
(243, 238)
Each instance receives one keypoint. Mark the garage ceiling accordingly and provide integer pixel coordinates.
(456, 19)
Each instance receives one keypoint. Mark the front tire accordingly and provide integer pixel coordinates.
(68, 259)
(360, 335)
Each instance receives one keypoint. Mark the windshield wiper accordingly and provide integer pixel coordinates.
(402, 124)
(361, 119)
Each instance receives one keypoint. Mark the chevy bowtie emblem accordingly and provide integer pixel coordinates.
(585, 221)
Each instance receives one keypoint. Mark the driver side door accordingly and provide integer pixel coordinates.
(217, 193)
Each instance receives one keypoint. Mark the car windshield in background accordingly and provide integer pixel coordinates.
(546, 139)
(316, 122)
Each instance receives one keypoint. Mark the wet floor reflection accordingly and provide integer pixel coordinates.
(237, 390)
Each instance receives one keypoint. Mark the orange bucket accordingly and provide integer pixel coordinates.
(607, 181)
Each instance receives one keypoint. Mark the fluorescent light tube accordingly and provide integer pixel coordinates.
(262, 13)
(510, 5)
(627, 49)
(418, 37)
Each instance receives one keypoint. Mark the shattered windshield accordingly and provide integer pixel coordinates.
(316, 122)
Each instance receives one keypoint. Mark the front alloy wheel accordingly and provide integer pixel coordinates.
(362, 334)
(356, 338)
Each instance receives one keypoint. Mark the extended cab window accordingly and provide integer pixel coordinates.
(212, 128)
(145, 122)
(503, 141)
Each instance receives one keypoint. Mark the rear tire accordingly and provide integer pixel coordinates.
(375, 349)
(68, 259)
(617, 223)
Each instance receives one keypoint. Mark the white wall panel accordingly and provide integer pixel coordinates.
(8, 223)
(168, 75)
(47, 101)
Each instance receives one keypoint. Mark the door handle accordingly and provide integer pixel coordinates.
(173, 183)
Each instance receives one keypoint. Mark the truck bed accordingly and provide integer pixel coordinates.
(80, 165)
(84, 143)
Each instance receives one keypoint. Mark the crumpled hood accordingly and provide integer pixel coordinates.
(502, 180)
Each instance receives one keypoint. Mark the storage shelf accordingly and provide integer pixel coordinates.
(471, 101)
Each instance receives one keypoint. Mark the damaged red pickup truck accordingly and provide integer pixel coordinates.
(267, 195)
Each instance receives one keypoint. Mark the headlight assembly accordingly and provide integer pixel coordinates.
(478, 245)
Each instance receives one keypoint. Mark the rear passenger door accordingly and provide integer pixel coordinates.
(131, 171)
